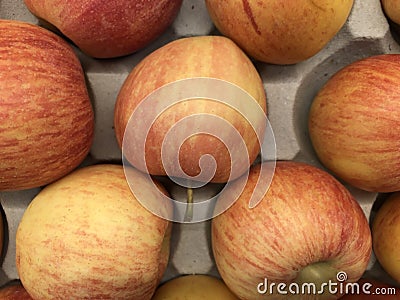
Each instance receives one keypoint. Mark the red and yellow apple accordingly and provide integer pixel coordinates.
(372, 289)
(106, 29)
(306, 229)
(2, 226)
(194, 287)
(14, 291)
(386, 235)
(354, 123)
(46, 117)
(392, 10)
(86, 236)
(185, 62)
(279, 31)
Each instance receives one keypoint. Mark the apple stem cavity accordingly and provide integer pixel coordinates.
(189, 207)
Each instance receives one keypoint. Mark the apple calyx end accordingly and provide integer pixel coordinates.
(319, 273)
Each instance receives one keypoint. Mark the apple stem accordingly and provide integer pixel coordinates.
(189, 207)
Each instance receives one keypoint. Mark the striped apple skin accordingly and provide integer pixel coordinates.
(207, 57)
(106, 29)
(306, 217)
(354, 123)
(46, 117)
(87, 237)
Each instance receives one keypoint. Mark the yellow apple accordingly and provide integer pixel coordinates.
(392, 10)
(386, 235)
(280, 31)
(194, 287)
(87, 237)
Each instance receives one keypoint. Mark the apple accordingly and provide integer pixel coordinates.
(2, 226)
(14, 291)
(280, 32)
(86, 236)
(307, 229)
(392, 10)
(223, 116)
(354, 123)
(46, 117)
(385, 235)
(194, 287)
(372, 289)
(106, 29)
